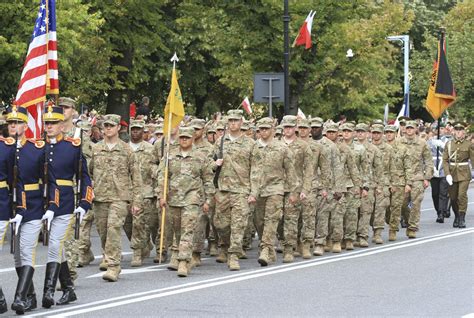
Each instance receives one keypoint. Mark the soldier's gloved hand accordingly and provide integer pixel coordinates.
(17, 220)
(49, 215)
(449, 179)
(81, 212)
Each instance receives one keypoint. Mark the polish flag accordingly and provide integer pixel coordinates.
(304, 36)
(246, 105)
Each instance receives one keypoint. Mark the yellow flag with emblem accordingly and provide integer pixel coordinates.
(174, 105)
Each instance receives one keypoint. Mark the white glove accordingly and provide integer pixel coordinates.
(81, 212)
(449, 179)
(49, 215)
(17, 220)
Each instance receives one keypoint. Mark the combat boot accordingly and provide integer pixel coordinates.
(50, 280)
(103, 264)
(137, 258)
(411, 234)
(85, 259)
(343, 245)
(233, 262)
(306, 250)
(147, 250)
(328, 246)
(392, 235)
(195, 260)
(164, 257)
(3, 302)
(462, 220)
(112, 274)
(447, 214)
(67, 286)
(20, 303)
(183, 269)
(222, 257)
(243, 255)
(377, 239)
(456, 219)
(336, 247)
(264, 258)
(363, 242)
(272, 255)
(213, 249)
(440, 218)
(349, 245)
(173, 264)
(318, 250)
(299, 250)
(288, 254)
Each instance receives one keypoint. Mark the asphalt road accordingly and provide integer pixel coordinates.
(431, 276)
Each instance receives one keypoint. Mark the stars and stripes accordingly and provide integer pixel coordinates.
(40, 71)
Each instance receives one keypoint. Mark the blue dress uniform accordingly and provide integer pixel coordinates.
(63, 156)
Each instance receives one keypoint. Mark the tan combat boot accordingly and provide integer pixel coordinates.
(318, 250)
(264, 258)
(243, 255)
(299, 250)
(272, 255)
(213, 249)
(164, 257)
(137, 258)
(173, 264)
(377, 239)
(306, 250)
(328, 246)
(392, 235)
(363, 242)
(103, 264)
(112, 274)
(183, 269)
(222, 257)
(233, 262)
(336, 247)
(288, 254)
(147, 250)
(195, 260)
(343, 244)
(86, 259)
(411, 234)
(349, 245)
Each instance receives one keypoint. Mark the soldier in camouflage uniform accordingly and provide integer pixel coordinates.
(304, 168)
(421, 165)
(190, 189)
(374, 177)
(272, 169)
(136, 226)
(233, 193)
(400, 175)
(117, 188)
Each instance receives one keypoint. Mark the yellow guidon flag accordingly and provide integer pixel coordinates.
(174, 105)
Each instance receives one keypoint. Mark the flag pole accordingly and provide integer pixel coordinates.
(442, 34)
(174, 59)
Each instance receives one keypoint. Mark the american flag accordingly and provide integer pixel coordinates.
(40, 71)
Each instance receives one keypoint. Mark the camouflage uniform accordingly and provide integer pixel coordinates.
(420, 161)
(272, 169)
(190, 185)
(117, 184)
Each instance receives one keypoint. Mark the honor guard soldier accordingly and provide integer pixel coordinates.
(28, 198)
(456, 158)
(64, 163)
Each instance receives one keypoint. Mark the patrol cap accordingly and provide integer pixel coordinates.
(17, 114)
(245, 125)
(159, 129)
(265, 122)
(332, 127)
(403, 119)
(112, 119)
(137, 124)
(362, 127)
(220, 124)
(377, 128)
(411, 123)
(392, 128)
(211, 129)
(197, 123)
(304, 123)
(347, 126)
(289, 121)
(278, 130)
(84, 125)
(67, 101)
(53, 114)
(2, 122)
(186, 132)
(459, 125)
(235, 114)
(317, 122)
(377, 121)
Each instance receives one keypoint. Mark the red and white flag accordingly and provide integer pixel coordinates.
(40, 71)
(246, 105)
(304, 36)
(301, 114)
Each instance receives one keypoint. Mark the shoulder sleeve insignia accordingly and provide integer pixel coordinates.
(75, 141)
(8, 141)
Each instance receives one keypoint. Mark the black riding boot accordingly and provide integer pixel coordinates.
(3, 302)
(31, 302)
(20, 304)
(456, 219)
(50, 280)
(67, 286)
(462, 220)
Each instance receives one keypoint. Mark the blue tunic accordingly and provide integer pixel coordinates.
(7, 155)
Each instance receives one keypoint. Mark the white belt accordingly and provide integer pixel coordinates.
(459, 164)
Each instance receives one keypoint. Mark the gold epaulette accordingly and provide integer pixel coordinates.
(8, 141)
(39, 143)
(75, 141)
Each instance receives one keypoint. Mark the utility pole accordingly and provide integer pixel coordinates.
(286, 55)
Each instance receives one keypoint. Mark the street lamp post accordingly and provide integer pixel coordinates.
(405, 39)
(286, 55)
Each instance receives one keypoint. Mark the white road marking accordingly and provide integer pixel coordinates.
(471, 315)
(252, 274)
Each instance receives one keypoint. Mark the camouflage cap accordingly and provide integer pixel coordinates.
(220, 124)
(235, 114)
(347, 126)
(362, 127)
(304, 123)
(377, 128)
(317, 122)
(197, 123)
(137, 124)
(2, 122)
(377, 121)
(265, 122)
(411, 123)
(245, 125)
(278, 130)
(84, 125)
(403, 119)
(186, 132)
(159, 129)
(211, 129)
(392, 128)
(67, 101)
(334, 127)
(289, 121)
(112, 119)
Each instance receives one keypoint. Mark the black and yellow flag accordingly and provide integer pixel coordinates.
(441, 93)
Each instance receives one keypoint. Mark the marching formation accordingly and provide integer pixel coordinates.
(304, 187)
